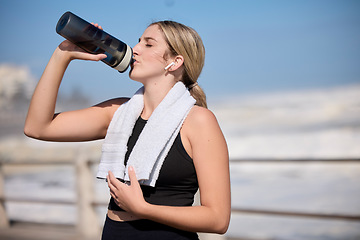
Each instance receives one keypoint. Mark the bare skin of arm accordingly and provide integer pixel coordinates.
(205, 143)
(80, 125)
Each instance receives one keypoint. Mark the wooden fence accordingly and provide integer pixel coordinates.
(88, 225)
(87, 220)
(347, 217)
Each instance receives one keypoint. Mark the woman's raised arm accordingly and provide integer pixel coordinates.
(81, 125)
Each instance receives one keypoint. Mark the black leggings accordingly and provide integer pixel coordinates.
(143, 230)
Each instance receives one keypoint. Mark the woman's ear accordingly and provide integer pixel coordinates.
(178, 60)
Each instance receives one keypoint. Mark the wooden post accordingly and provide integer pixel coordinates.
(87, 222)
(4, 220)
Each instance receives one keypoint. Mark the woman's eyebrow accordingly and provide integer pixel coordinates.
(148, 38)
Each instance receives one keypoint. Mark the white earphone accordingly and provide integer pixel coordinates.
(168, 66)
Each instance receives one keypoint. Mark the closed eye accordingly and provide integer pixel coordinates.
(147, 41)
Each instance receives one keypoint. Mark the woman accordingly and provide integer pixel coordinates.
(167, 53)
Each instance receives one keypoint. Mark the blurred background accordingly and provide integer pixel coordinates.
(282, 77)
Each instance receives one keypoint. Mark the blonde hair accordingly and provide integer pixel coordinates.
(185, 41)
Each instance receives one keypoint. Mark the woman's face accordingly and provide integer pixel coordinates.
(149, 55)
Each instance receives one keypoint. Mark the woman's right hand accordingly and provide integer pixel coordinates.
(75, 52)
(71, 51)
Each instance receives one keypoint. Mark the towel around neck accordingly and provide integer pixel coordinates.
(154, 141)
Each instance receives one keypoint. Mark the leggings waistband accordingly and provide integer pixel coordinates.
(143, 229)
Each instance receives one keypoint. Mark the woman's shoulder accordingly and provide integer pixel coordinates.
(111, 105)
(201, 118)
(198, 113)
(114, 102)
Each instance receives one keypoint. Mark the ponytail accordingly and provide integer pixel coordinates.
(199, 95)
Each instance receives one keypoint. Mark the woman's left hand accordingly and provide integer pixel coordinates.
(128, 197)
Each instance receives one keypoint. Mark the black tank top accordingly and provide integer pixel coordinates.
(177, 182)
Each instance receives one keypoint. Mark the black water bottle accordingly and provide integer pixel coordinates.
(94, 40)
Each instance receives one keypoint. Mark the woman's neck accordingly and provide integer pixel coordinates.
(154, 93)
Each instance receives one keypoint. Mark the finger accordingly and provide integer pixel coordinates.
(93, 57)
(97, 25)
(112, 181)
(132, 176)
(112, 190)
(100, 56)
(108, 181)
(115, 183)
(112, 195)
(89, 56)
(111, 177)
(117, 202)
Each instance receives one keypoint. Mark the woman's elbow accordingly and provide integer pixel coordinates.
(221, 223)
(222, 226)
(29, 131)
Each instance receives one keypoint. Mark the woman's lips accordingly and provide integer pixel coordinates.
(133, 61)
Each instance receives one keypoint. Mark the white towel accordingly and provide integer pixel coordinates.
(154, 141)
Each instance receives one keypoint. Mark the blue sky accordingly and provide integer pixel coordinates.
(251, 46)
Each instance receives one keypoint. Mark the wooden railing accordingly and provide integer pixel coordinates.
(87, 223)
(87, 220)
(324, 215)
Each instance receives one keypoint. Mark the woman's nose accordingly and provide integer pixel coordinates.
(136, 49)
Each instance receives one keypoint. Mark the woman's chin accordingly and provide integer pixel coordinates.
(134, 77)
(131, 74)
